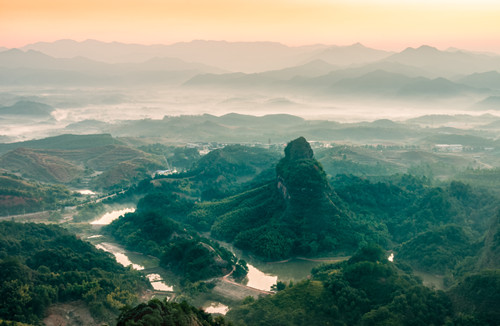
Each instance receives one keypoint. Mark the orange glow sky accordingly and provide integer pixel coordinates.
(386, 24)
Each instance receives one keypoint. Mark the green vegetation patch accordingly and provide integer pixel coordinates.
(156, 312)
(437, 251)
(44, 264)
(18, 196)
(150, 230)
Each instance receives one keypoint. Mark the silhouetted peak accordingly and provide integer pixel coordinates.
(13, 51)
(421, 49)
(358, 46)
(427, 48)
(298, 149)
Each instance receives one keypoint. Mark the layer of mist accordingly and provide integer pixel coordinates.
(84, 87)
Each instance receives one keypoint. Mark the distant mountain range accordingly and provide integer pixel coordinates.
(348, 55)
(346, 71)
(33, 68)
(489, 79)
(444, 62)
(346, 83)
(237, 56)
(251, 57)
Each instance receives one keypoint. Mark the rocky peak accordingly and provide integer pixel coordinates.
(299, 176)
(298, 149)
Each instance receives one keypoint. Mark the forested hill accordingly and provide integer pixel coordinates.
(18, 196)
(225, 170)
(296, 214)
(41, 265)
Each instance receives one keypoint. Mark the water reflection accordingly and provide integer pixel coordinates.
(111, 216)
(119, 255)
(262, 275)
(85, 192)
(216, 308)
(158, 284)
(259, 280)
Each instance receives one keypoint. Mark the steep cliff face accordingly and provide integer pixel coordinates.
(310, 201)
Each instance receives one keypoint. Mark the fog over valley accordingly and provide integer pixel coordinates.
(48, 87)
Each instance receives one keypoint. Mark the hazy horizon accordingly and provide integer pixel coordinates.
(303, 45)
(383, 24)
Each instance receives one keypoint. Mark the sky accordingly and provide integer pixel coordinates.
(384, 24)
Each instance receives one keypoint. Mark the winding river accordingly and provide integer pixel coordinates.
(261, 275)
(126, 258)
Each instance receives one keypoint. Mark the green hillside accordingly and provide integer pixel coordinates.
(156, 312)
(44, 264)
(407, 206)
(489, 257)
(18, 196)
(478, 295)
(294, 215)
(357, 161)
(180, 158)
(126, 173)
(98, 158)
(369, 290)
(80, 160)
(40, 166)
(225, 171)
(439, 250)
(487, 178)
(63, 142)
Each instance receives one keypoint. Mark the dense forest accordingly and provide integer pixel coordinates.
(44, 264)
